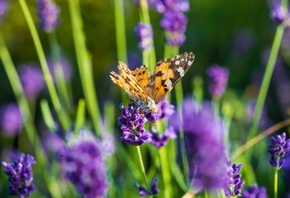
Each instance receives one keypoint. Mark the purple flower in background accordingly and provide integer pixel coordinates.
(32, 80)
(48, 13)
(83, 164)
(20, 175)
(132, 125)
(158, 139)
(235, 184)
(279, 14)
(3, 8)
(174, 21)
(165, 109)
(11, 120)
(286, 169)
(144, 34)
(218, 79)
(153, 188)
(65, 66)
(203, 131)
(254, 191)
(279, 147)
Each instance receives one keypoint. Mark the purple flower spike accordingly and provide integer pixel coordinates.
(174, 21)
(254, 191)
(48, 13)
(235, 184)
(132, 125)
(3, 8)
(159, 140)
(165, 109)
(32, 80)
(218, 79)
(153, 188)
(279, 14)
(207, 165)
(11, 120)
(20, 175)
(279, 146)
(144, 34)
(83, 164)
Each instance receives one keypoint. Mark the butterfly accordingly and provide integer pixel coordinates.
(147, 90)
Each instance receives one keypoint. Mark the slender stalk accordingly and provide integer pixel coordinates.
(120, 30)
(80, 117)
(276, 183)
(59, 75)
(84, 64)
(259, 137)
(267, 78)
(142, 167)
(165, 171)
(62, 115)
(47, 116)
(27, 117)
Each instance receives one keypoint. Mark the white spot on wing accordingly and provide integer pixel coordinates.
(168, 84)
(190, 62)
(180, 71)
(177, 62)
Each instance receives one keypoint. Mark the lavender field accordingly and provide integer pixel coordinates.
(144, 98)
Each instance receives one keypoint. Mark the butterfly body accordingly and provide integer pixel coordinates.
(147, 90)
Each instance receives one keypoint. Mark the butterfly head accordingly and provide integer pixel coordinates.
(152, 106)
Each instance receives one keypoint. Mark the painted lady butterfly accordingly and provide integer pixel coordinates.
(146, 90)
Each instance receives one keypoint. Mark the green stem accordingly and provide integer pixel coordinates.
(276, 183)
(267, 78)
(62, 115)
(120, 30)
(47, 116)
(80, 117)
(142, 167)
(61, 83)
(165, 171)
(26, 116)
(84, 65)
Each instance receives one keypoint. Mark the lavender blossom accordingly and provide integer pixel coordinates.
(11, 120)
(158, 139)
(32, 80)
(84, 165)
(279, 147)
(286, 169)
(48, 13)
(165, 109)
(207, 165)
(218, 79)
(20, 175)
(65, 66)
(3, 8)
(254, 191)
(144, 34)
(153, 188)
(279, 14)
(174, 21)
(235, 184)
(132, 125)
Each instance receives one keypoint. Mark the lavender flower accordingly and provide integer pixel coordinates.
(235, 184)
(32, 80)
(20, 175)
(158, 139)
(286, 169)
(84, 165)
(218, 79)
(3, 8)
(144, 34)
(174, 21)
(153, 188)
(254, 192)
(207, 165)
(65, 66)
(132, 125)
(279, 14)
(279, 146)
(48, 13)
(165, 109)
(11, 120)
